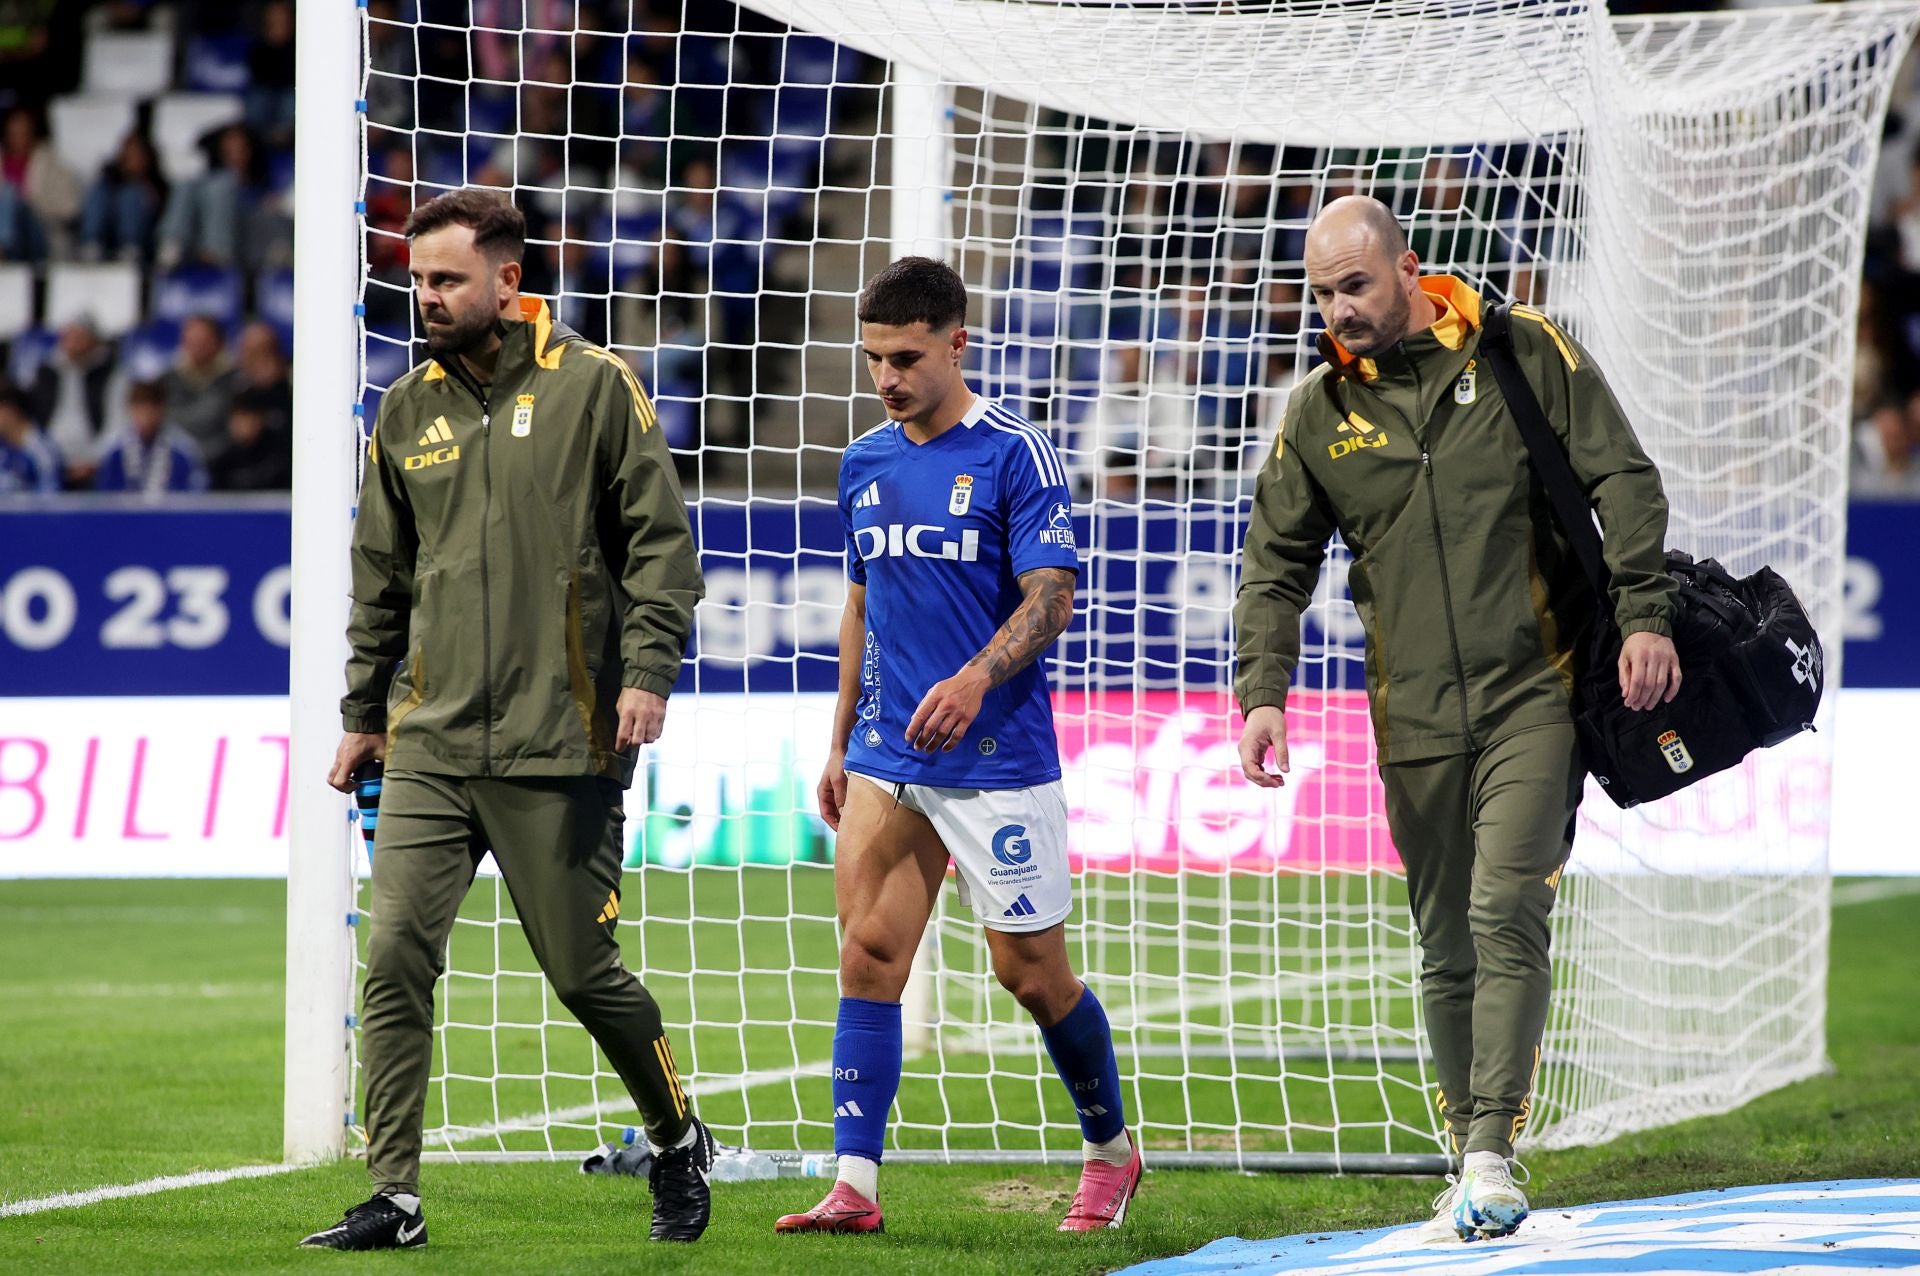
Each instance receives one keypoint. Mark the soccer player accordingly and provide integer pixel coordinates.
(524, 579)
(961, 565)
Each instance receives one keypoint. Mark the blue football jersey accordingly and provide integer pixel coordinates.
(939, 533)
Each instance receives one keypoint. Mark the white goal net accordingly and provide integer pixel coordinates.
(1125, 189)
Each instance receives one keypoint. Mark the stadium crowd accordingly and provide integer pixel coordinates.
(1145, 314)
(146, 296)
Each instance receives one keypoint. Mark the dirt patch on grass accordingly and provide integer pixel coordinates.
(1025, 1193)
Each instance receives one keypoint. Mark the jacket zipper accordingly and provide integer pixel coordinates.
(1446, 595)
(486, 592)
(479, 392)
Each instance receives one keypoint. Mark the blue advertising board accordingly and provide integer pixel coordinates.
(133, 600)
(193, 600)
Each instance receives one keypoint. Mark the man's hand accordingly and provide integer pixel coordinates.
(1266, 728)
(1649, 670)
(642, 714)
(948, 710)
(356, 747)
(832, 792)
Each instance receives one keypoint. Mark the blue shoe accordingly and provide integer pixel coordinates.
(1487, 1203)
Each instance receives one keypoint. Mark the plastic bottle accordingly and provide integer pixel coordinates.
(742, 1165)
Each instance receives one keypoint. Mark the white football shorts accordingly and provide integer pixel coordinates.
(1009, 847)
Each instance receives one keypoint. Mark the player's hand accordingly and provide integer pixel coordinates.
(642, 714)
(948, 710)
(1266, 729)
(356, 747)
(832, 792)
(1649, 670)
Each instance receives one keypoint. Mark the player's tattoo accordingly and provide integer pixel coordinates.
(1043, 615)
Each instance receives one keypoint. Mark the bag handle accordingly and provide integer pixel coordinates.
(1550, 462)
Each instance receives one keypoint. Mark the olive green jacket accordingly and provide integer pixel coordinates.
(520, 554)
(1469, 596)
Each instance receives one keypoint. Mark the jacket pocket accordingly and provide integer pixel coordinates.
(410, 688)
(583, 616)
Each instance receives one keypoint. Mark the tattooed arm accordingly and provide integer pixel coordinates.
(952, 704)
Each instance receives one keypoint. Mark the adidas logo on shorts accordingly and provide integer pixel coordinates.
(1022, 907)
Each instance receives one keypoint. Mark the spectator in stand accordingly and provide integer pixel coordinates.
(77, 394)
(225, 216)
(256, 457)
(124, 204)
(1886, 402)
(712, 250)
(40, 48)
(150, 456)
(39, 197)
(270, 75)
(264, 374)
(28, 463)
(200, 385)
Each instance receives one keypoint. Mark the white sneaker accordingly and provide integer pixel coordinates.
(1487, 1202)
(1438, 1230)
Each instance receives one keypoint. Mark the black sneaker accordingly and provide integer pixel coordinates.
(682, 1199)
(374, 1224)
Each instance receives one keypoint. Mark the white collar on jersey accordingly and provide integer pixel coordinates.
(975, 410)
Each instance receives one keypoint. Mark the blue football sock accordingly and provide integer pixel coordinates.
(866, 1074)
(1082, 1048)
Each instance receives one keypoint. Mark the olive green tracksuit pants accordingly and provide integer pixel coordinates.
(1484, 836)
(557, 842)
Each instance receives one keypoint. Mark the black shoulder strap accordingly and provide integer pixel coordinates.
(1556, 474)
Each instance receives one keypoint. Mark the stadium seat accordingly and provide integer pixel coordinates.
(108, 294)
(147, 351)
(28, 351)
(180, 120)
(187, 291)
(273, 302)
(16, 299)
(132, 63)
(88, 129)
(216, 62)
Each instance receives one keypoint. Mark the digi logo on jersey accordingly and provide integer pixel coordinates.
(897, 540)
(1060, 529)
(1011, 847)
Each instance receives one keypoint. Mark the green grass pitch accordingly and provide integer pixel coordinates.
(140, 1035)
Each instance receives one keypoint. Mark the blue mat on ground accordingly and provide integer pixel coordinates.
(1790, 1228)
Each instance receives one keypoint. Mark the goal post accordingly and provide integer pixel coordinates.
(1125, 189)
(320, 992)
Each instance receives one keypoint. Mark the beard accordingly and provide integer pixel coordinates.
(466, 334)
(1364, 341)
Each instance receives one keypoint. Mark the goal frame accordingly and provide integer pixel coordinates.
(330, 155)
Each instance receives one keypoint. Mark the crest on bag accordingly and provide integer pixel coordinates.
(523, 416)
(1674, 749)
(962, 496)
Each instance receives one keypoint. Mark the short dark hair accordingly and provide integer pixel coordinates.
(499, 229)
(915, 290)
(14, 400)
(146, 392)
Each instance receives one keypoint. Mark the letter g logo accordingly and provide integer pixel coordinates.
(1010, 845)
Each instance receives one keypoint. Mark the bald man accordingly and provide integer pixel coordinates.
(1472, 605)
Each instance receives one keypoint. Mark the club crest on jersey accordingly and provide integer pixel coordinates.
(962, 497)
(523, 416)
(1464, 390)
(1674, 749)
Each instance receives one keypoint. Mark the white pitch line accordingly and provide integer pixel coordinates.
(1871, 891)
(94, 1195)
(560, 1116)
